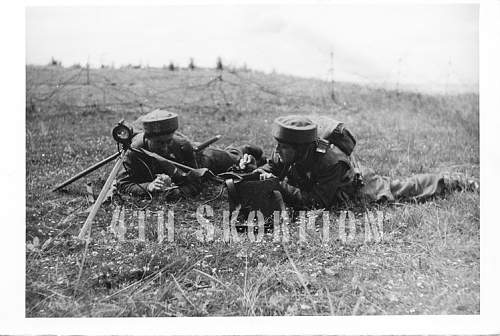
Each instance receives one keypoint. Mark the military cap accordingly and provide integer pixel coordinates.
(159, 122)
(295, 129)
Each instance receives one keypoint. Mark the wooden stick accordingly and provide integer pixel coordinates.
(102, 196)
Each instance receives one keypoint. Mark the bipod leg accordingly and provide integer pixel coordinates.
(86, 171)
(102, 195)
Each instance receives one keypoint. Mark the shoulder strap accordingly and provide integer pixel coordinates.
(322, 146)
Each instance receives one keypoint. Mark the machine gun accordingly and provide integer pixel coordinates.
(123, 134)
(244, 189)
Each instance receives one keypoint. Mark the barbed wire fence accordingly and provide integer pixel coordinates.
(56, 90)
(81, 89)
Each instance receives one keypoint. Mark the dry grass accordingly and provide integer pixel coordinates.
(427, 264)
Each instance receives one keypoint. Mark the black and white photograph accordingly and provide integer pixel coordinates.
(253, 160)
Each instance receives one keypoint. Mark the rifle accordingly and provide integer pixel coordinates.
(170, 166)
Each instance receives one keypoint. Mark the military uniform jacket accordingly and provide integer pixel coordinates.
(139, 169)
(179, 149)
(322, 179)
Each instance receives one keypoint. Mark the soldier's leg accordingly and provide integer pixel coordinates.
(375, 187)
(420, 186)
(217, 160)
(256, 152)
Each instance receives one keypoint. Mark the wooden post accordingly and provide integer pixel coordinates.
(88, 73)
(332, 80)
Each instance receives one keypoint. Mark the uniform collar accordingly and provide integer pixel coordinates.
(308, 160)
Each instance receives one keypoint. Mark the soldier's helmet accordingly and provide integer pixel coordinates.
(295, 130)
(159, 122)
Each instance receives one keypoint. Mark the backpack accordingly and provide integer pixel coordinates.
(337, 134)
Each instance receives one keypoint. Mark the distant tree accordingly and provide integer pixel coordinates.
(219, 64)
(54, 62)
(191, 65)
(171, 66)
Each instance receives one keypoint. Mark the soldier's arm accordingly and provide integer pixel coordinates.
(183, 150)
(273, 165)
(134, 178)
(324, 191)
(332, 182)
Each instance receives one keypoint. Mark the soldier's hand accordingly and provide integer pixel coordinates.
(263, 174)
(160, 183)
(247, 161)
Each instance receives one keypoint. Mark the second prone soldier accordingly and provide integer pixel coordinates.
(315, 174)
(143, 174)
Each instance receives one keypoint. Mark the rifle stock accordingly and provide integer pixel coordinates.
(170, 166)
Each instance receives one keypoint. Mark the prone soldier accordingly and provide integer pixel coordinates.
(144, 174)
(314, 174)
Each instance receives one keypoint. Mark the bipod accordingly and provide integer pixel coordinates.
(123, 136)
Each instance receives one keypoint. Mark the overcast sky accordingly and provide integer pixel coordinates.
(428, 45)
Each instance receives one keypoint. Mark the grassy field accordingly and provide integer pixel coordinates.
(428, 262)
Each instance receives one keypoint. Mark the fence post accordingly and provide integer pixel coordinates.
(88, 73)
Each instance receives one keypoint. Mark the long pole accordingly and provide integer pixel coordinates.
(102, 196)
(86, 171)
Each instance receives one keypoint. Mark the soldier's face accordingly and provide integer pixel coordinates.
(159, 144)
(286, 152)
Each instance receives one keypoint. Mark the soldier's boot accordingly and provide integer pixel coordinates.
(458, 181)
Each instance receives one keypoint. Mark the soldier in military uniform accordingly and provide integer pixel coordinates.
(315, 174)
(144, 174)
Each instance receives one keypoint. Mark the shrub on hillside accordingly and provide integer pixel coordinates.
(219, 65)
(54, 62)
(191, 65)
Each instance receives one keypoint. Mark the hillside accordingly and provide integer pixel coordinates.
(428, 262)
